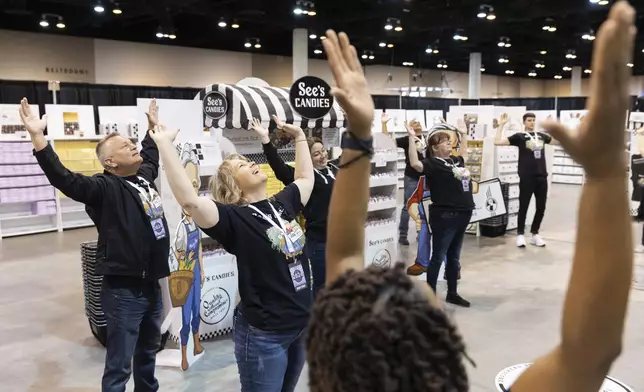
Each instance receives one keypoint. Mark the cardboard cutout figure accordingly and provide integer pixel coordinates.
(186, 265)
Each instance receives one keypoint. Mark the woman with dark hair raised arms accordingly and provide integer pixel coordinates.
(393, 323)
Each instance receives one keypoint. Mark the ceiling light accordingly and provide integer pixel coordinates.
(367, 55)
(258, 46)
(482, 69)
(442, 64)
(159, 34)
(481, 15)
(491, 17)
(558, 77)
(248, 44)
(460, 35)
(99, 7)
(364, 56)
(431, 50)
(389, 24)
(222, 23)
(60, 24)
(323, 37)
(172, 36)
(631, 65)
(235, 25)
(571, 54)
(313, 36)
(549, 26)
(406, 64)
(603, 2)
(540, 65)
(317, 51)
(398, 28)
(486, 12)
(594, 1)
(44, 22)
(382, 44)
(312, 13)
(297, 11)
(117, 10)
(504, 42)
(509, 72)
(371, 57)
(532, 74)
(543, 52)
(588, 71)
(503, 60)
(589, 36)
(567, 69)
(390, 45)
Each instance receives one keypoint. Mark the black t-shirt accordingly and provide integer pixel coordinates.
(532, 157)
(269, 300)
(403, 142)
(448, 191)
(637, 173)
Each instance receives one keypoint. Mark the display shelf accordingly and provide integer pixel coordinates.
(376, 181)
(565, 170)
(73, 214)
(375, 205)
(27, 201)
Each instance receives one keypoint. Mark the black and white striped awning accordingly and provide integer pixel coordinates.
(248, 102)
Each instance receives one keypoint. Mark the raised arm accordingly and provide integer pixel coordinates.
(303, 176)
(499, 140)
(202, 209)
(283, 172)
(86, 190)
(384, 119)
(350, 198)
(149, 152)
(597, 297)
(412, 152)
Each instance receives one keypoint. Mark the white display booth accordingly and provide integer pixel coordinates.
(121, 119)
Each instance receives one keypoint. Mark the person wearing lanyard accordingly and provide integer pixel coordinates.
(533, 174)
(316, 210)
(452, 204)
(274, 275)
(133, 244)
(411, 175)
(413, 345)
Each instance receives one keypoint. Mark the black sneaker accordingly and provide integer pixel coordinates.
(403, 241)
(457, 300)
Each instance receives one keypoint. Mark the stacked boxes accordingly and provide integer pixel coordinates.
(21, 179)
(79, 156)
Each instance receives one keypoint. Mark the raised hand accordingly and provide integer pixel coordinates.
(256, 126)
(289, 129)
(351, 88)
(504, 119)
(161, 134)
(410, 130)
(33, 124)
(460, 125)
(153, 114)
(598, 144)
(384, 118)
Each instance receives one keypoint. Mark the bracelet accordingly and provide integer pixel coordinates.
(354, 160)
(301, 140)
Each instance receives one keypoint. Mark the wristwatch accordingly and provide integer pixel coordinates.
(350, 142)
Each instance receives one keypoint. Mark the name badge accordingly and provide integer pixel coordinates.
(158, 228)
(297, 276)
(466, 185)
(295, 234)
(537, 154)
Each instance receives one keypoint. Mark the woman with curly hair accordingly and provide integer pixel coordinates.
(274, 275)
(378, 330)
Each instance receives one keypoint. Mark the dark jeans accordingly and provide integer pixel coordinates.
(537, 186)
(268, 361)
(133, 316)
(448, 231)
(316, 252)
(409, 189)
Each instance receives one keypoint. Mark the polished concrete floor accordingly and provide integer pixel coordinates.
(46, 344)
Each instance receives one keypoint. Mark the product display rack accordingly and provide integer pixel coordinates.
(507, 164)
(565, 169)
(474, 164)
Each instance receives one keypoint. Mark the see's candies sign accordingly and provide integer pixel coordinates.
(311, 97)
(215, 105)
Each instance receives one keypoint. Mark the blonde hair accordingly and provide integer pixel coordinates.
(223, 186)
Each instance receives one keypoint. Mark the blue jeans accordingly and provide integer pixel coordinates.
(316, 252)
(268, 361)
(410, 188)
(424, 237)
(133, 316)
(191, 307)
(448, 231)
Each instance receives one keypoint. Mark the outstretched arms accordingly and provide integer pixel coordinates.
(283, 172)
(597, 297)
(149, 152)
(413, 153)
(350, 199)
(303, 176)
(499, 140)
(202, 209)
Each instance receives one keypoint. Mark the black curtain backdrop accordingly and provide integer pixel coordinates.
(11, 91)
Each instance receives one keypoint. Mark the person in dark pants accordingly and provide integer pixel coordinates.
(274, 274)
(411, 176)
(452, 204)
(533, 173)
(133, 245)
(317, 209)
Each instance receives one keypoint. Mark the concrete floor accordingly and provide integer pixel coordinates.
(46, 344)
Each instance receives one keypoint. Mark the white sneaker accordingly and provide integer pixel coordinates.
(537, 241)
(639, 249)
(521, 241)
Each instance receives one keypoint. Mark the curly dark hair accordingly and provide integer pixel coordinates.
(376, 331)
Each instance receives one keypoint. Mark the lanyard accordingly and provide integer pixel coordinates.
(289, 242)
(145, 192)
(452, 164)
(328, 173)
(533, 138)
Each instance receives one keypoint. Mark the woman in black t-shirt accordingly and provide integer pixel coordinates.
(273, 273)
(317, 209)
(452, 204)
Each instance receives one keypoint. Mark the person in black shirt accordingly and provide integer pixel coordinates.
(533, 173)
(315, 212)
(133, 244)
(411, 175)
(450, 185)
(275, 282)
